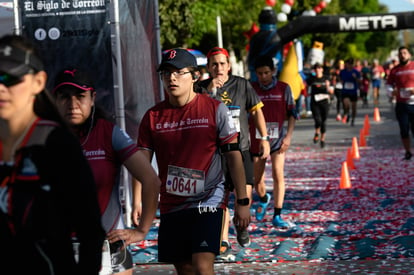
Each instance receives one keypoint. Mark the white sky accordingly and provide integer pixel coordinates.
(398, 5)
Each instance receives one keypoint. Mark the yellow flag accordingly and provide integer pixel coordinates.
(290, 73)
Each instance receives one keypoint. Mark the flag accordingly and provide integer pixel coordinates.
(290, 73)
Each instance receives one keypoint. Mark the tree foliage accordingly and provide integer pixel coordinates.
(192, 24)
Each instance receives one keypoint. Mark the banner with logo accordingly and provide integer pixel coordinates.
(378, 22)
(73, 33)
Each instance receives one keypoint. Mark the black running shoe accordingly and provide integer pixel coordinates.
(322, 144)
(316, 138)
(243, 237)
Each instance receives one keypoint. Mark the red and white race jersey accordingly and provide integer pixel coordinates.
(402, 78)
(186, 141)
(377, 72)
(106, 148)
(277, 102)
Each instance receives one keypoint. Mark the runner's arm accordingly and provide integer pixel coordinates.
(236, 168)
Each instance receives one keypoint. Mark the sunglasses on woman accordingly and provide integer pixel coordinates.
(10, 80)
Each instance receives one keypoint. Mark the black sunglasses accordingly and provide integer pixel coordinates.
(10, 80)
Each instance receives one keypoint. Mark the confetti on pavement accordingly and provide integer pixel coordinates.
(372, 220)
(368, 228)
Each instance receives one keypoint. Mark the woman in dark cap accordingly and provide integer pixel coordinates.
(47, 189)
(107, 147)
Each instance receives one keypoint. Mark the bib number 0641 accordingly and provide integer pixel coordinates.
(184, 182)
(182, 185)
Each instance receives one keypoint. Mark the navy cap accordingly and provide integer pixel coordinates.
(177, 58)
(75, 78)
(18, 62)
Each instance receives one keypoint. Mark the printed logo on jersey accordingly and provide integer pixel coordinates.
(6, 51)
(225, 98)
(28, 167)
(28, 171)
(405, 72)
(276, 97)
(94, 154)
(183, 124)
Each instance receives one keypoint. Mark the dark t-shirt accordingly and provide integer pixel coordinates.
(241, 99)
(47, 196)
(318, 89)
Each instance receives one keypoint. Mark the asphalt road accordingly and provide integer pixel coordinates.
(383, 134)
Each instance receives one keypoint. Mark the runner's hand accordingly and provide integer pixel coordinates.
(129, 236)
(242, 216)
(215, 83)
(136, 214)
(285, 145)
(264, 149)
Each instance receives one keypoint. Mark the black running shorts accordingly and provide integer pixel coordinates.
(189, 231)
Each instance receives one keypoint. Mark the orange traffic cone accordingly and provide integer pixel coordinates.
(355, 150)
(377, 117)
(345, 180)
(366, 125)
(362, 141)
(349, 160)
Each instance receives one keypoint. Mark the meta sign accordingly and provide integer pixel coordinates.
(367, 23)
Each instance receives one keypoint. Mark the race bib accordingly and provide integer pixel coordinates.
(405, 92)
(349, 85)
(338, 86)
(184, 181)
(235, 113)
(272, 130)
(319, 97)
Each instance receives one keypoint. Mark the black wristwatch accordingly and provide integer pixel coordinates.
(243, 202)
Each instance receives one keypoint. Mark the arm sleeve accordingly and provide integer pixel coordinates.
(253, 101)
(123, 143)
(144, 134)
(390, 78)
(290, 104)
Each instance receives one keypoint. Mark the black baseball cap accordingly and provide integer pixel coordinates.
(75, 78)
(177, 58)
(18, 62)
(267, 16)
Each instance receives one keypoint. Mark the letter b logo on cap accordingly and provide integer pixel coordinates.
(173, 53)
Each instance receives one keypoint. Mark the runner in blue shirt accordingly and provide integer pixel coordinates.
(350, 79)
